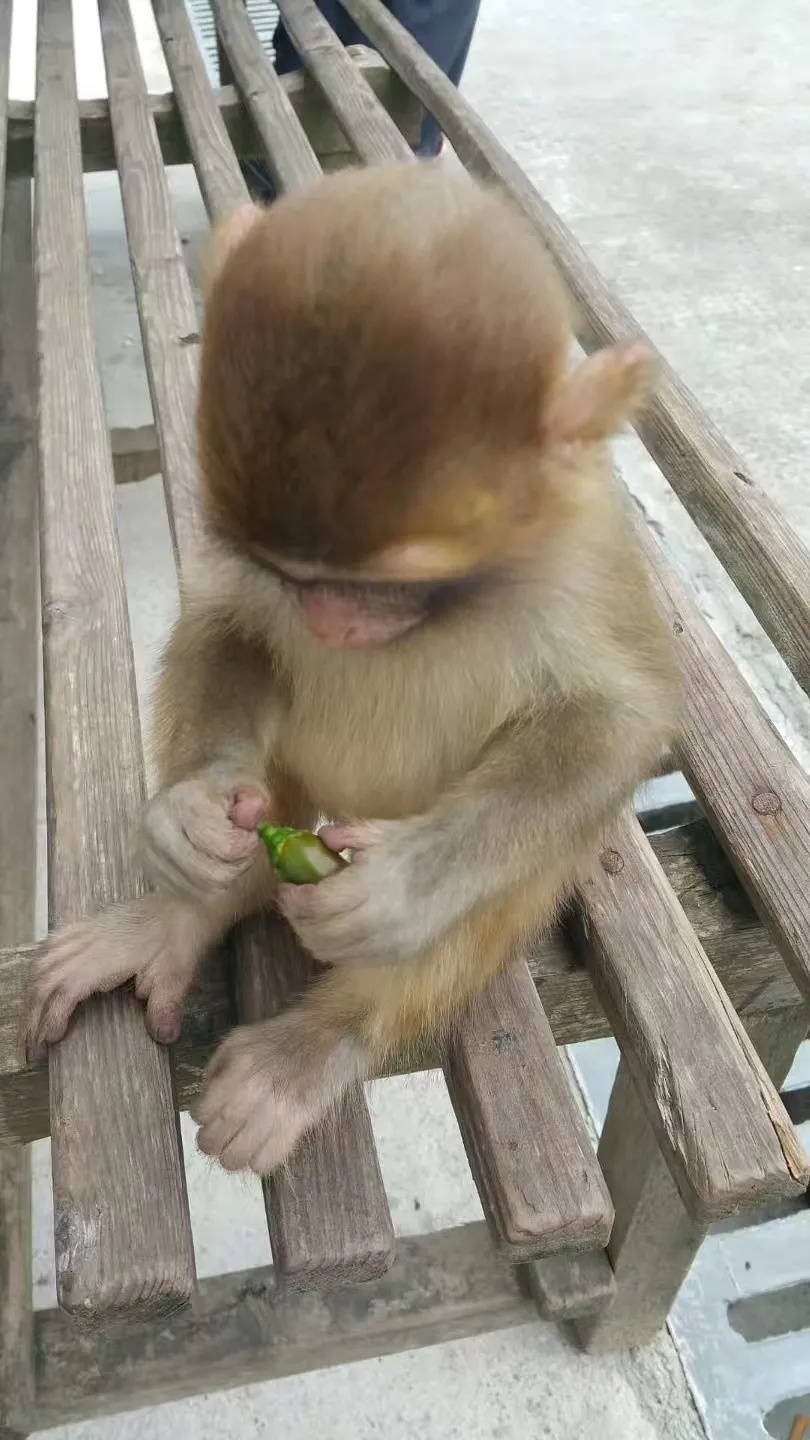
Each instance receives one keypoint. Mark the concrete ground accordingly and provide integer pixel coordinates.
(672, 138)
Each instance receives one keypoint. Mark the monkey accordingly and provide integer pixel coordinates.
(419, 614)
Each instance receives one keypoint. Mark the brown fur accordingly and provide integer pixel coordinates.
(384, 363)
(370, 346)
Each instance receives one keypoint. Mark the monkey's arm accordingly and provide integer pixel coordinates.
(540, 797)
(215, 713)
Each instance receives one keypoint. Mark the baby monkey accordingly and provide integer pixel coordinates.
(420, 611)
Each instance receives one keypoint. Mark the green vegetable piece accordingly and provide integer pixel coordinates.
(298, 856)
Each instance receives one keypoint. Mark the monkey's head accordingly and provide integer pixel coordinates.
(386, 417)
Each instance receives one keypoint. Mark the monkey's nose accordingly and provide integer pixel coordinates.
(333, 619)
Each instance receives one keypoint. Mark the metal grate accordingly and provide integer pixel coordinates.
(263, 13)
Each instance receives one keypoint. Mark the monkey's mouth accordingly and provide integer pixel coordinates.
(341, 622)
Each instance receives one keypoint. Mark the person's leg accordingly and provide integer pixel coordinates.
(257, 172)
(444, 29)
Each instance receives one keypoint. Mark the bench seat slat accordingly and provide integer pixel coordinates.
(113, 1122)
(363, 119)
(291, 158)
(221, 181)
(526, 1140)
(327, 1211)
(722, 1127)
(752, 788)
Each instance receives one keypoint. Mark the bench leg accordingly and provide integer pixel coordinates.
(16, 1314)
(654, 1240)
(18, 676)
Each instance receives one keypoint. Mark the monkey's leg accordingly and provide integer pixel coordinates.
(271, 1082)
(157, 940)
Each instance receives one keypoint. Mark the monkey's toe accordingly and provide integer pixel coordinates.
(248, 1117)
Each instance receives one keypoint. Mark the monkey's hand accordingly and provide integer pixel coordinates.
(385, 906)
(200, 835)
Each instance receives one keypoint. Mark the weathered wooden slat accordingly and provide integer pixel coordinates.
(113, 1121)
(654, 1239)
(718, 1117)
(166, 308)
(747, 531)
(19, 645)
(750, 785)
(526, 1141)
(370, 130)
(741, 952)
(221, 181)
(442, 1287)
(290, 156)
(319, 124)
(327, 1214)
(565, 1287)
(306, 1231)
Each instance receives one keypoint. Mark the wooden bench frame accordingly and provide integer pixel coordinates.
(692, 947)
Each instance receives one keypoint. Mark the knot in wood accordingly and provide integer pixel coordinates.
(677, 627)
(612, 862)
(766, 802)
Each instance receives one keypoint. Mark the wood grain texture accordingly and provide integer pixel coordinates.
(319, 124)
(655, 1240)
(166, 308)
(290, 156)
(565, 1287)
(221, 181)
(752, 788)
(113, 1120)
(327, 1213)
(19, 645)
(719, 1119)
(371, 132)
(741, 952)
(749, 534)
(526, 1141)
(443, 1287)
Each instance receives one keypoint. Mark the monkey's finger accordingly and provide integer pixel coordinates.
(250, 806)
(208, 828)
(216, 1134)
(319, 904)
(349, 837)
(49, 1021)
(237, 1154)
(164, 1018)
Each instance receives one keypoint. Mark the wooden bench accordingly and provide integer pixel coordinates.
(691, 946)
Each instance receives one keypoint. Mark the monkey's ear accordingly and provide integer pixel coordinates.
(606, 390)
(226, 234)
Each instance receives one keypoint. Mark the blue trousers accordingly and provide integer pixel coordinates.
(443, 28)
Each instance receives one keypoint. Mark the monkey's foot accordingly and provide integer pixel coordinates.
(151, 940)
(266, 1086)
